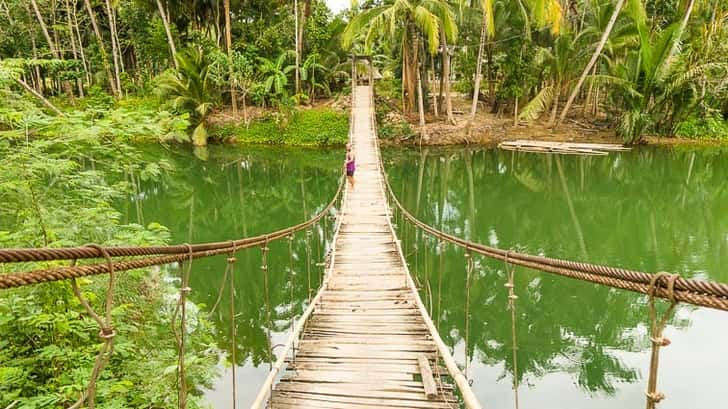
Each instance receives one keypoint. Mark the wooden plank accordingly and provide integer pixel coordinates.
(428, 380)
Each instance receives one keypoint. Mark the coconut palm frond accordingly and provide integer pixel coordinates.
(538, 104)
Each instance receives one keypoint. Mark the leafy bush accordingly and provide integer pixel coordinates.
(49, 343)
(697, 128)
(397, 130)
(307, 127)
(132, 120)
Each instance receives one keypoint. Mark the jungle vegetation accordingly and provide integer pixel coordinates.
(83, 81)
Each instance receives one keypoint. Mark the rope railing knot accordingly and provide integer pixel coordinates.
(655, 397)
(102, 252)
(660, 341)
(107, 333)
(233, 249)
(669, 278)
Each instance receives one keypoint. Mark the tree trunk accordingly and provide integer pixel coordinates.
(118, 42)
(589, 93)
(229, 44)
(102, 50)
(555, 109)
(39, 96)
(84, 61)
(114, 46)
(595, 56)
(446, 79)
(44, 29)
(71, 34)
(434, 95)
(170, 39)
(683, 24)
(37, 69)
(515, 112)
(478, 72)
(298, 47)
(420, 99)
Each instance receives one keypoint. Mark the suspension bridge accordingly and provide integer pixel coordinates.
(365, 339)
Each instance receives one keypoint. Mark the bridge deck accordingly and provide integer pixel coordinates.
(361, 345)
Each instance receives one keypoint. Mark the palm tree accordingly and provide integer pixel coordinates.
(545, 13)
(591, 63)
(409, 24)
(558, 63)
(651, 82)
(192, 89)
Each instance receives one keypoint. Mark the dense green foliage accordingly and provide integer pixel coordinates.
(655, 66)
(173, 49)
(304, 127)
(703, 128)
(61, 192)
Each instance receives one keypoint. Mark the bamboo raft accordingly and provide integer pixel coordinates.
(566, 148)
(366, 339)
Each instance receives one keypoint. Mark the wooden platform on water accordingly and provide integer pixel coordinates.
(366, 343)
(564, 148)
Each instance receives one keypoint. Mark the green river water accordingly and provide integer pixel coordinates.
(580, 346)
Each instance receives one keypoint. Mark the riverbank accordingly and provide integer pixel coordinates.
(489, 129)
(324, 124)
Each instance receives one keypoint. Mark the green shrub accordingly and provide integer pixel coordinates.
(700, 128)
(311, 127)
(397, 130)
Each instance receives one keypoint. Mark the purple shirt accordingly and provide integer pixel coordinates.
(350, 164)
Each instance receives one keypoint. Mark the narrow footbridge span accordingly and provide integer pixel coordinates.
(365, 340)
(368, 340)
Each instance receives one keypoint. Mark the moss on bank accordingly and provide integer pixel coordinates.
(311, 127)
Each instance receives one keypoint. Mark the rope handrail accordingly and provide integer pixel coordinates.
(166, 254)
(698, 292)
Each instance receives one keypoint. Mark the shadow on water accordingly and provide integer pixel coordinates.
(651, 210)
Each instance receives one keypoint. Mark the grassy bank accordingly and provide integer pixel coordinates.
(310, 127)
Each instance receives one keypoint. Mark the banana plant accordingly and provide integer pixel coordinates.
(312, 72)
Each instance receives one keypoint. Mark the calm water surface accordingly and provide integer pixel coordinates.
(579, 345)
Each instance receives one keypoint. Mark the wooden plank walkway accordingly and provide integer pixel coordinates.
(361, 345)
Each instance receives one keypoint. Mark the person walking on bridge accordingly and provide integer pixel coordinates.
(350, 165)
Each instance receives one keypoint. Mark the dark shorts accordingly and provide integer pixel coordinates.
(349, 173)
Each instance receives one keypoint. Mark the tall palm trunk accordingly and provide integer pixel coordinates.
(170, 39)
(229, 44)
(434, 95)
(298, 47)
(595, 56)
(446, 79)
(420, 96)
(555, 109)
(114, 46)
(478, 72)
(102, 49)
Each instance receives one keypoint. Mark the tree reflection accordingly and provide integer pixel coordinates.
(629, 206)
(236, 194)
